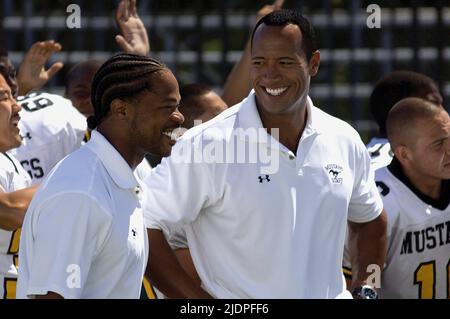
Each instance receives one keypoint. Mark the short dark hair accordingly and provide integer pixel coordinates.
(80, 67)
(9, 72)
(285, 17)
(188, 91)
(122, 76)
(189, 106)
(402, 116)
(394, 87)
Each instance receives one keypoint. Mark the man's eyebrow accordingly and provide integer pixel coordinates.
(437, 141)
(170, 100)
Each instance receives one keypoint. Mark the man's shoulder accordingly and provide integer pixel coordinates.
(391, 190)
(12, 175)
(77, 182)
(383, 175)
(221, 123)
(78, 171)
(333, 126)
(380, 153)
(377, 142)
(50, 112)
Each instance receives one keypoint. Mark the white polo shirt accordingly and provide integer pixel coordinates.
(142, 170)
(265, 235)
(12, 178)
(84, 235)
(50, 128)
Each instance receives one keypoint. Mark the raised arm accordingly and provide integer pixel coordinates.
(238, 84)
(133, 36)
(32, 74)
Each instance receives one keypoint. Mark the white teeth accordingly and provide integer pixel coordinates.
(169, 134)
(276, 92)
(175, 134)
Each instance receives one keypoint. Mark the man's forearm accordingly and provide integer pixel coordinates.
(13, 207)
(368, 246)
(164, 271)
(238, 83)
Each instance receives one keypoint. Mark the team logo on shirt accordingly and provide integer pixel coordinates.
(334, 172)
(263, 178)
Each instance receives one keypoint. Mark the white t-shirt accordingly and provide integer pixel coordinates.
(84, 234)
(12, 177)
(256, 230)
(418, 258)
(380, 152)
(51, 128)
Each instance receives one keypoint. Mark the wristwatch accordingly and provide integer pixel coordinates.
(365, 292)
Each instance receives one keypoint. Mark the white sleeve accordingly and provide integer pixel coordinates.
(177, 191)
(365, 203)
(68, 231)
(4, 180)
(178, 239)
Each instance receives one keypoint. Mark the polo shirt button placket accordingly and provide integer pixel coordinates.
(137, 191)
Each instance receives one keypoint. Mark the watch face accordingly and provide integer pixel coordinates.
(365, 292)
(368, 293)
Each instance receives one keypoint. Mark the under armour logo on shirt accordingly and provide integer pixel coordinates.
(28, 136)
(134, 231)
(262, 179)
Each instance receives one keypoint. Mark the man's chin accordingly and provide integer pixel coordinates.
(18, 142)
(165, 151)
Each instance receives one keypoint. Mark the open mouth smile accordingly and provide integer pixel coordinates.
(275, 91)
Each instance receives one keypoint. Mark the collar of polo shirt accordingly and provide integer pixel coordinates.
(248, 118)
(115, 164)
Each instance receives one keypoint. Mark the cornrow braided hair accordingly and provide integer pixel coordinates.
(122, 76)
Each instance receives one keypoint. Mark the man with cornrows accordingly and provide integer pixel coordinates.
(84, 234)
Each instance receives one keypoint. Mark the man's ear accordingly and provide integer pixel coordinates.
(119, 109)
(402, 153)
(314, 63)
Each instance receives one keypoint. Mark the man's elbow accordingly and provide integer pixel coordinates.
(155, 239)
(11, 222)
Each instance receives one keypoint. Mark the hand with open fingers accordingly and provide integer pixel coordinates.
(276, 5)
(133, 37)
(32, 74)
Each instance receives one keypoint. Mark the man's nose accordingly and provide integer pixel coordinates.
(177, 117)
(272, 71)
